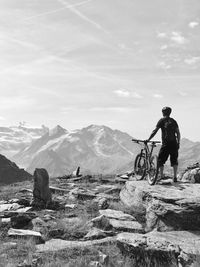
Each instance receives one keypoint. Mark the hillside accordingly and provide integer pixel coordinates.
(10, 172)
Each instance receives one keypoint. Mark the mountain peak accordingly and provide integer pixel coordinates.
(58, 130)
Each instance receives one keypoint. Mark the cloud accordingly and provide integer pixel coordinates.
(81, 15)
(162, 35)
(126, 93)
(177, 38)
(181, 93)
(164, 47)
(193, 24)
(57, 10)
(158, 96)
(2, 118)
(192, 60)
(164, 65)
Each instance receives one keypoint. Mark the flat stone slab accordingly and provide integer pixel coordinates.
(59, 244)
(161, 248)
(129, 226)
(166, 207)
(25, 233)
(6, 207)
(116, 214)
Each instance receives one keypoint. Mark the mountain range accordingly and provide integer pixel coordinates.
(96, 149)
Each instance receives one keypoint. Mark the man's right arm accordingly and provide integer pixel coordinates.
(153, 133)
(178, 135)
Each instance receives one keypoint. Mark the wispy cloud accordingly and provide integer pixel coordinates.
(192, 60)
(158, 96)
(164, 65)
(81, 15)
(162, 35)
(177, 38)
(182, 93)
(163, 47)
(126, 93)
(56, 10)
(193, 24)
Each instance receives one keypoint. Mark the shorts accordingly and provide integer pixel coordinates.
(166, 151)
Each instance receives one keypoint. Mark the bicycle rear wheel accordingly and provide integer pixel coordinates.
(140, 166)
(152, 174)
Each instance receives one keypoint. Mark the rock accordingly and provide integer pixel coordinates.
(21, 221)
(94, 264)
(49, 217)
(191, 176)
(95, 233)
(4, 221)
(70, 206)
(41, 192)
(77, 172)
(160, 249)
(128, 226)
(26, 234)
(103, 258)
(56, 190)
(101, 222)
(59, 244)
(24, 202)
(101, 202)
(167, 208)
(23, 210)
(7, 207)
(117, 214)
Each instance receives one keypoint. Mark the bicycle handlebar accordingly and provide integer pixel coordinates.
(144, 141)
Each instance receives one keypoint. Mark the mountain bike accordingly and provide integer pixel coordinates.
(146, 164)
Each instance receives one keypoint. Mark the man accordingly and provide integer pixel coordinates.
(170, 141)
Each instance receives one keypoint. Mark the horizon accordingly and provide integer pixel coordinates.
(76, 63)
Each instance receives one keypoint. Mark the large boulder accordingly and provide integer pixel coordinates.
(166, 207)
(10, 172)
(41, 192)
(158, 249)
(191, 174)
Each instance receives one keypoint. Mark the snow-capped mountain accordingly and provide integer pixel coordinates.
(15, 138)
(97, 149)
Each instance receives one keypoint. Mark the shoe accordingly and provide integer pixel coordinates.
(175, 180)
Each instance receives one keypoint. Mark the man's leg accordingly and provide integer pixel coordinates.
(175, 168)
(161, 171)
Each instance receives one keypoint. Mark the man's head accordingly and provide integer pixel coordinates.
(166, 111)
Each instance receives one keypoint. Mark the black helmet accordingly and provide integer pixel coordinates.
(166, 111)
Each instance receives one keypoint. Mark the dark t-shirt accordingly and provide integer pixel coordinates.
(168, 127)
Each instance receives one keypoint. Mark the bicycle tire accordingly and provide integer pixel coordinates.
(140, 167)
(152, 174)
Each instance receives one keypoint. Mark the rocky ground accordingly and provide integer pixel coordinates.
(79, 229)
(102, 221)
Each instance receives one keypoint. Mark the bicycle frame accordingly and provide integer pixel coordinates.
(146, 152)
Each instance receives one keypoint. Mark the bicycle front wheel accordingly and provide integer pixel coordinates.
(152, 174)
(140, 167)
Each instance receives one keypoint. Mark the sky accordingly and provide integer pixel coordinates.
(106, 62)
